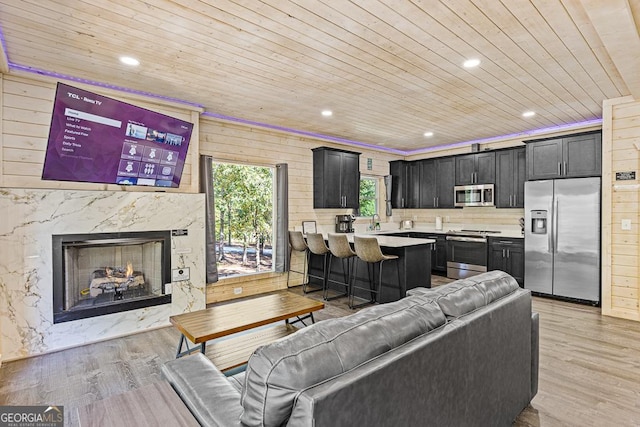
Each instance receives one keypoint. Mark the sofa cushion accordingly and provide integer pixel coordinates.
(277, 372)
(466, 295)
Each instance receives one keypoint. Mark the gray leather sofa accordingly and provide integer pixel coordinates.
(463, 354)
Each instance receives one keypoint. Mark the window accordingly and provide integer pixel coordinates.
(244, 209)
(368, 196)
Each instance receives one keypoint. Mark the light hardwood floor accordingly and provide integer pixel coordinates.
(589, 368)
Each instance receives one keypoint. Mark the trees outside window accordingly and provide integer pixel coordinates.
(244, 208)
(368, 196)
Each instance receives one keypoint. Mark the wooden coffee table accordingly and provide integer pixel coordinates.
(236, 317)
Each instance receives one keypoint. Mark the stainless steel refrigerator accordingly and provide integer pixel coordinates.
(562, 238)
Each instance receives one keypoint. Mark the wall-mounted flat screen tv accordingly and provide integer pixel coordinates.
(94, 138)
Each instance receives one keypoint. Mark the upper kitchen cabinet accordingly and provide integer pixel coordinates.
(437, 178)
(572, 156)
(405, 184)
(336, 178)
(510, 177)
(477, 168)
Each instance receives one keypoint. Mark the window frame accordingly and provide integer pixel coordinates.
(274, 205)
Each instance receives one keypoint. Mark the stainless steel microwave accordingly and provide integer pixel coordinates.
(474, 195)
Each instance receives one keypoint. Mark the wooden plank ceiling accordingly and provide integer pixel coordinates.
(389, 70)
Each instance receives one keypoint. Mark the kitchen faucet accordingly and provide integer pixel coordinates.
(375, 225)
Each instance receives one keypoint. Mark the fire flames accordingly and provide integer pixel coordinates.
(120, 272)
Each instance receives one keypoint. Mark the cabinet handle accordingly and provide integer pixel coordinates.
(503, 253)
(515, 198)
(565, 168)
(437, 201)
(508, 254)
(559, 168)
(434, 202)
(510, 200)
(402, 202)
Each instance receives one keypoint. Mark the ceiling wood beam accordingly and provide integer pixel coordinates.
(614, 23)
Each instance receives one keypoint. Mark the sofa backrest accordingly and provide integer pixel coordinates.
(475, 370)
(278, 372)
(466, 295)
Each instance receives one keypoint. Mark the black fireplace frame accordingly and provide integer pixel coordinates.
(58, 242)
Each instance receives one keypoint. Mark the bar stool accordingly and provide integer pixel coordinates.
(316, 245)
(340, 248)
(368, 250)
(297, 243)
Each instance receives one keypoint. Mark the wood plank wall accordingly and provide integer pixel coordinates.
(620, 248)
(27, 103)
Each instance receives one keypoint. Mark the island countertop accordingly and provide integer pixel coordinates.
(388, 241)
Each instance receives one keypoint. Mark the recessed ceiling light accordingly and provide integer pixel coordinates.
(428, 134)
(327, 113)
(128, 60)
(470, 63)
(528, 114)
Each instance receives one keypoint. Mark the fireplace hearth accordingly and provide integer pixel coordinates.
(102, 273)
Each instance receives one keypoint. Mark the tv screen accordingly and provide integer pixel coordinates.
(94, 138)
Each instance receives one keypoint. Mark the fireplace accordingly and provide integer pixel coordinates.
(103, 273)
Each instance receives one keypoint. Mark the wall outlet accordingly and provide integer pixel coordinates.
(415, 217)
(180, 274)
(626, 224)
(167, 288)
(237, 291)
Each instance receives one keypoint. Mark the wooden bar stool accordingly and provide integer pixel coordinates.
(297, 243)
(340, 248)
(368, 250)
(317, 246)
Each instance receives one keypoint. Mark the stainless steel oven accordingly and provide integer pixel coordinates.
(466, 256)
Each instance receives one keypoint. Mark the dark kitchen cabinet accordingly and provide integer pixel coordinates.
(439, 253)
(437, 178)
(572, 156)
(477, 168)
(510, 177)
(336, 178)
(507, 254)
(405, 184)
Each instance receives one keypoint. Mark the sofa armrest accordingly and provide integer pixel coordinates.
(205, 390)
(535, 352)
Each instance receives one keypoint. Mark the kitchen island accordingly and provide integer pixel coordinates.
(414, 263)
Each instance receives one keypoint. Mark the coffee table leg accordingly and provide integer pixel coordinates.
(302, 319)
(183, 341)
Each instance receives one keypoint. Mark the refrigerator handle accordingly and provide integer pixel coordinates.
(550, 229)
(556, 213)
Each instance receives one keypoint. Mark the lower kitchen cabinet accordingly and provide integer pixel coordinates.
(439, 253)
(507, 254)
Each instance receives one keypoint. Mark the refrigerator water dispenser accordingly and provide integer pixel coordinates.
(539, 222)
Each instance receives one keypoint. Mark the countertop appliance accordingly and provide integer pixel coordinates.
(473, 195)
(344, 223)
(562, 238)
(406, 224)
(467, 252)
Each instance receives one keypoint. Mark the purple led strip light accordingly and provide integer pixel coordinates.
(286, 129)
(532, 132)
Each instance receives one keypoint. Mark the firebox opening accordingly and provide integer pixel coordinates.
(103, 273)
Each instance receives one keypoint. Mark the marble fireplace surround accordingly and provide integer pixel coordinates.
(31, 217)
